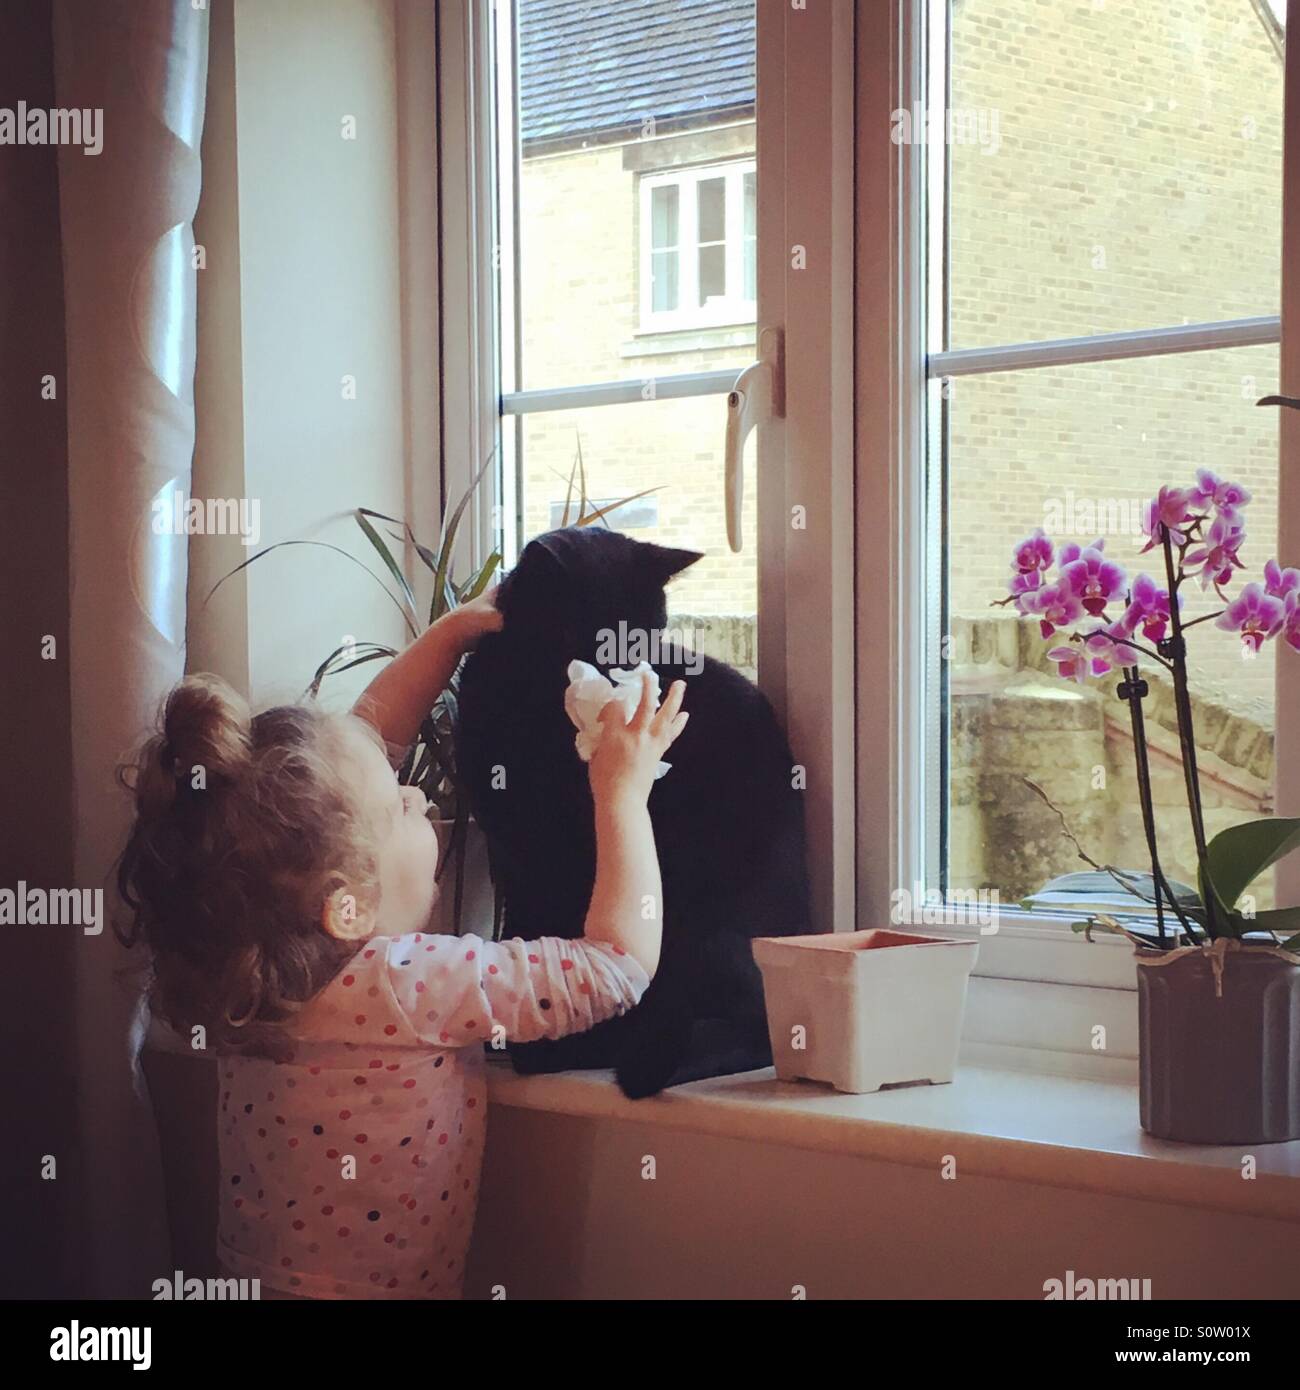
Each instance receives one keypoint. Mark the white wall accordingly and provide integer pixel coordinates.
(565, 1213)
(303, 287)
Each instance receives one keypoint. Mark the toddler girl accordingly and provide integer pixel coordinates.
(283, 881)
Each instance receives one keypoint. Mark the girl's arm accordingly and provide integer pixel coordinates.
(626, 908)
(400, 697)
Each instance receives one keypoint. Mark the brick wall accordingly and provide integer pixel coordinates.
(1136, 184)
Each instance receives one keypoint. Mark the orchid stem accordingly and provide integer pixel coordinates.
(1177, 649)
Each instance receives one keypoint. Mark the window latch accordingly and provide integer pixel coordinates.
(758, 395)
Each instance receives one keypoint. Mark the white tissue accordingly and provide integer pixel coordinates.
(589, 692)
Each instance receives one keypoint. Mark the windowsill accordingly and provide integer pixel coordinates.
(1020, 1126)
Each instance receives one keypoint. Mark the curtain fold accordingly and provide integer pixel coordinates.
(129, 295)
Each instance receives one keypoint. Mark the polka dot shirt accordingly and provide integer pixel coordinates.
(351, 1170)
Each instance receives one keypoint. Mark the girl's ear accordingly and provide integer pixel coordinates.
(342, 918)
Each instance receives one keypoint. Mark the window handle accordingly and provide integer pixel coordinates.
(758, 395)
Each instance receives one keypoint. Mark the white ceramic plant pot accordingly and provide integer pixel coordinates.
(477, 900)
(862, 1010)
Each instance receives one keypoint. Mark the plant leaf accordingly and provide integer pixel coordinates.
(423, 551)
(614, 506)
(1276, 920)
(374, 651)
(568, 493)
(441, 587)
(385, 555)
(476, 584)
(1236, 857)
(323, 545)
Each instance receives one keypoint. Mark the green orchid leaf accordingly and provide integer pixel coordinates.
(1236, 857)
(1279, 921)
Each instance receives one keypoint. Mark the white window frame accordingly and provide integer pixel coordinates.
(733, 308)
(1035, 968)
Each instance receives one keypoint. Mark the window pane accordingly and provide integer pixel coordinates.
(1111, 167)
(712, 194)
(675, 447)
(663, 215)
(607, 99)
(663, 270)
(713, 273)
(1077, 451)
(608, 95)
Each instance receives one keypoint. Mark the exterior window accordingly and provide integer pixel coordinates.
(1104, 287)
(698, 242)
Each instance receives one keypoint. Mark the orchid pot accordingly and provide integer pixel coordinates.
(1219, 1030)
(866, 1009)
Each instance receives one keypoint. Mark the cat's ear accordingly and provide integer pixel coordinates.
(664, 561)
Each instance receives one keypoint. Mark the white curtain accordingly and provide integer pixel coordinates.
(129, 289)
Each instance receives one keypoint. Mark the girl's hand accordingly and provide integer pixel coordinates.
(628, 755)
(475, 619)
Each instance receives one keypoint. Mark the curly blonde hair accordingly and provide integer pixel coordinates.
(244, 825)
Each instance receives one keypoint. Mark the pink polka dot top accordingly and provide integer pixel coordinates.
(351, 1170)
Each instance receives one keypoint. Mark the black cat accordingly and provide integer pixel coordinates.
(728, 822)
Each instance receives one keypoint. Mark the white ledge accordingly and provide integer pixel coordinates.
(1054, 1131)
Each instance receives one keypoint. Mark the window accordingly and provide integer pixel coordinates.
(698, 236)
(628, 209)
(555, 254)
(1103, 197)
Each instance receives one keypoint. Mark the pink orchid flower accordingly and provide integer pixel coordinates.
(1035, 552)
(1074, 664)
(1071, 551)
(1056, 605)
(1171, 508)
(1256, 615)
(1213, 491)
(1148, 609)
(1214, 560)
(1095, 580)
(1291, 623)
(1108, 648)
(1023, 587)
(1280, 582)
